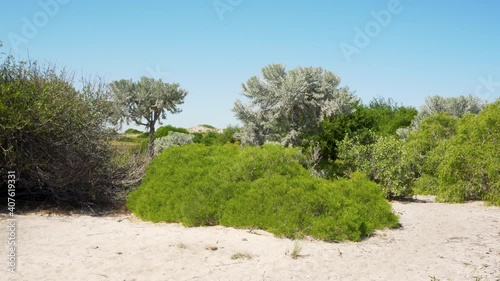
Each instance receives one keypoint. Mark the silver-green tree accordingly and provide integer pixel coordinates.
(286, 105)
(456, 106)
(146, 102)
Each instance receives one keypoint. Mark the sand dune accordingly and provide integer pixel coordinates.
(448, 242)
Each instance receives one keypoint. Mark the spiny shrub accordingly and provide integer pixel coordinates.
(263, 187)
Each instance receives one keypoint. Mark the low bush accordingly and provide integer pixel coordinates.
(173, 138)
(263, 187)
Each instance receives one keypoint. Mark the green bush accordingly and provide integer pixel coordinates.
(459, 157)
(163, 131)
(470, 167)
(263, 187)
(387, 161)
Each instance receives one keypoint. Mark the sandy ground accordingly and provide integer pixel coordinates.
(442, 241)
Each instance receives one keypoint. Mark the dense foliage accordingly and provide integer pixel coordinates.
(285, 105)
(455, 106)
(54, 137)
(460, 156)
(264, 187)
(381, 116)
(386, 161)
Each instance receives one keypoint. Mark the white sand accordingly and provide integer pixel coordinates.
(448, 242)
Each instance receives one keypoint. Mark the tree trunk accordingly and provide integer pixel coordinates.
(151, 139)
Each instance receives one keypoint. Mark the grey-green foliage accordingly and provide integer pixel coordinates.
(145, 102)
(387, 161)
(173, 138)
(284, 105)
(456, 106)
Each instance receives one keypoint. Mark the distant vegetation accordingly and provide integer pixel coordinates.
(133, 132)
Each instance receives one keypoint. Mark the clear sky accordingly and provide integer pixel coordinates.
(404, 50)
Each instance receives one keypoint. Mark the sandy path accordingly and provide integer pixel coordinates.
(448, 242)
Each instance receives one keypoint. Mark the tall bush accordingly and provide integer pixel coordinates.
(55, 137)
(470, 168)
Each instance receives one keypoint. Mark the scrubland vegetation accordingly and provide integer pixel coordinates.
(262, 187)
(309, 158)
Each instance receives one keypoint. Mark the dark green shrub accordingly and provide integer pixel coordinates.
(382, 116)
(262, 187)
(55, 136)
(163, 131)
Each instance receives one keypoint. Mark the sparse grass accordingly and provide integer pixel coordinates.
(211, 248)
(297, 248)
(241, 255)
(181, 246)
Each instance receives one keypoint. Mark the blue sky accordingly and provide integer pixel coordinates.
(404, 50)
